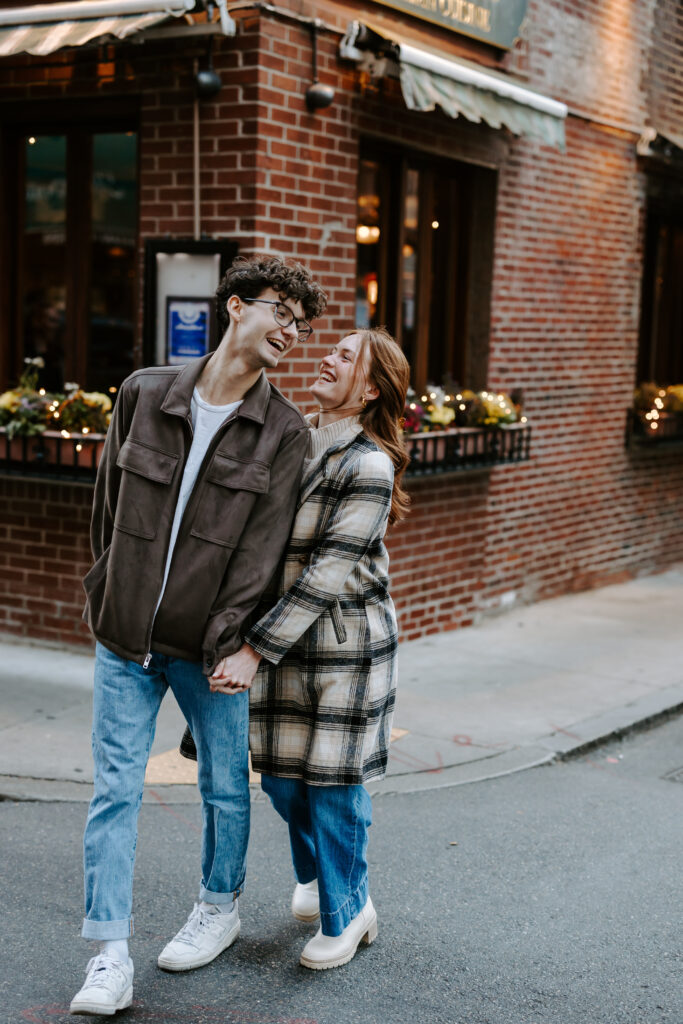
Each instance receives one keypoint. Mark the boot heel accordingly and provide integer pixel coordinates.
(371, 933)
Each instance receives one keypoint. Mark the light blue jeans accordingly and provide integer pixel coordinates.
(126, 702)
(328, 834)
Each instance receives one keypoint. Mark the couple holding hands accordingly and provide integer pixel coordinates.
(239, 560)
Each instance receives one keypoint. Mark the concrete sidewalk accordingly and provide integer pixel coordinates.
(515, 692)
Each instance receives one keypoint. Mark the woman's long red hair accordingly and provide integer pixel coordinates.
(382, 418)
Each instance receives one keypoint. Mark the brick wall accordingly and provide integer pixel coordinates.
(44, 553)
(565, 305)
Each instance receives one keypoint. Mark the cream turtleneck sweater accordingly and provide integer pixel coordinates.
(321, 438)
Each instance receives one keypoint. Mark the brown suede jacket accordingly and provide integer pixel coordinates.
(231, 537)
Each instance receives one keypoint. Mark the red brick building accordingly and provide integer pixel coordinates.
(525, 234)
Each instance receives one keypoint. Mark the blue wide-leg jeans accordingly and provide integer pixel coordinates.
(126, 702)
(328, 834)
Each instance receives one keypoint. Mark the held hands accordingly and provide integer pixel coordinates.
(235, 674)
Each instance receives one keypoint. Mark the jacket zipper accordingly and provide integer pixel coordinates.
(209, 455)
(148, 643)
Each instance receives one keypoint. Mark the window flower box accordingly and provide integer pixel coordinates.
(54, 454)
(656, 416)
(463, 448)
(30, 444)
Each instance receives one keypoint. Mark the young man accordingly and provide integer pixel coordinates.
(193, 505)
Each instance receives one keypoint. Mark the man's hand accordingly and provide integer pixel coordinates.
(235, 674)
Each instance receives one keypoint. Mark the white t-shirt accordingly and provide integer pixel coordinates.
(206, 419)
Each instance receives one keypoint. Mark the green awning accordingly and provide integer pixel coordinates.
(458, 87)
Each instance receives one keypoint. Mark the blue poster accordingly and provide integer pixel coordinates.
(188, 326)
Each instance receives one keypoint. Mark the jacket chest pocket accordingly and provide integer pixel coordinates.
(145, 479)
(228, 495)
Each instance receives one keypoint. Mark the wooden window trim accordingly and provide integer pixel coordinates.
(467, 302)
(79, 122)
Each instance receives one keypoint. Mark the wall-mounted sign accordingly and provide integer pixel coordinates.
(494, 21)
(181, 277)
(188, 323)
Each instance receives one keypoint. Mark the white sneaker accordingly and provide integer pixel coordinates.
(306, 901)
(325, 951)
(108, 987)
(206, 934)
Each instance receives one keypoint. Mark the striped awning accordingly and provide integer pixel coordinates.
(39, 30)
(42, 39)
(458, 87)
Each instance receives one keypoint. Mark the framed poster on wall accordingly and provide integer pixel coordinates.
(187, 272)
(188, 328)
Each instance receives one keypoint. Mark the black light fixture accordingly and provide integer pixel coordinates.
(318, 96)
(207, 79)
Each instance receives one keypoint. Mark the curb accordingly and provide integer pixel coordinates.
(563, 745)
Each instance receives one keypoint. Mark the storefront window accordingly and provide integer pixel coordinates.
(409, 264)
(661, 334)
(43, 253)
(113, 260)
(368, 232)
(424, 233)
(70, 252)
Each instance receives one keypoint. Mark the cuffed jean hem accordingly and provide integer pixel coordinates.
(334, 924)
(107, 929)
(218, 897)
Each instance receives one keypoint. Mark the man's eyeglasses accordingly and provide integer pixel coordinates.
(284, 317)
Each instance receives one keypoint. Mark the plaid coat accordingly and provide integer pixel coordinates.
(322, 701)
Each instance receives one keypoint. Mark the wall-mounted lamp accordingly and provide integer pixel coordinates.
(207, 79)
(318, 96)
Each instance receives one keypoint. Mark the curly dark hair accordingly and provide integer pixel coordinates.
(248, 277)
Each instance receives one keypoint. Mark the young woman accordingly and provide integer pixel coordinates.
(322, 700)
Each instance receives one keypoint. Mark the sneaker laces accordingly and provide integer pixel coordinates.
(199, 920)
(104, 971)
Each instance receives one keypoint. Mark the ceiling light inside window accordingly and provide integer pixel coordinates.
(367, 234)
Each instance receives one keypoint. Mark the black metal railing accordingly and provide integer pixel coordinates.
(465, 448)
(76, 457)
(665, 430)
(51, 456)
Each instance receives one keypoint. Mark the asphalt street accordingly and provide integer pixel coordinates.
(549, 896)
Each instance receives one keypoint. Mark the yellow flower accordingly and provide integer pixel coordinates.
(96, 400)
(10, 400)
(675, 398)
(441, 414)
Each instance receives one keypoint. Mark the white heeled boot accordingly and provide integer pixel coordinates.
(325, 951)
(306, 901)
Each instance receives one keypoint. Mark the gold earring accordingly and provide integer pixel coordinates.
(364, 400)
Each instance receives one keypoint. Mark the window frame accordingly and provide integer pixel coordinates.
(471, 245)
(654, 349)
(79, 123)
